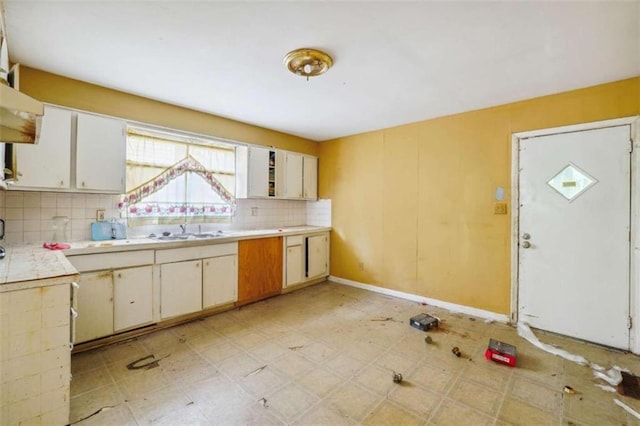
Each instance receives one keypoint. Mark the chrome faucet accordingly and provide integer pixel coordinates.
(184, 228)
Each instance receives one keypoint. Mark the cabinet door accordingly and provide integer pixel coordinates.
(316, 256)
(259, 269)
(95, 306)
(100, 154)
(47, 164)
(293, 175)
(310, 180)
(258, 172)
(294, 265)
(180, 288)
(132, 297)
(219, 280)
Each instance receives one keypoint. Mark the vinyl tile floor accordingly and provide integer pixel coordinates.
(325, 355)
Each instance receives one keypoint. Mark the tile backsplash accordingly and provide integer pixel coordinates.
(35, 217)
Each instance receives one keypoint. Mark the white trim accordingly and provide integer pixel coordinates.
(634, 267)
(634, 273)
(467, 310)
(576, 127)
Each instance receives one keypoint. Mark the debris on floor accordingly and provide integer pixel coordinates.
(428, 339)
(256, 371)
(525, 332)
(295, 348)
(139, 365)
(456, 351)
(501, 352)
(613, 376)
(263, 401)
(424, 322)
(397, 377)
(95, 413)
(569, 390)
(630, 385)
(626, 408)
(382, 319)
(606, 388)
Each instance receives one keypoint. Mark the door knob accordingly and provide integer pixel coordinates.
(526, 236)
(526, 244)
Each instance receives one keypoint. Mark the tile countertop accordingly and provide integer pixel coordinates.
(30, 265)
(27, 266)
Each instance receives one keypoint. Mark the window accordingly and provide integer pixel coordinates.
(176, 179)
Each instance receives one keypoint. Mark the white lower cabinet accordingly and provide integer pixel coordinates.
(317, 264)
(132, 297)
(180, 288)
(306, 258)
(219, 281)
(295, 265)
(95, 306)
(113, 300)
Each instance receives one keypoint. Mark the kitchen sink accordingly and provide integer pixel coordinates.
(187, 236)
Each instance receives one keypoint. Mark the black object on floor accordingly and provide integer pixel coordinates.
(630, 385)
(423, 322)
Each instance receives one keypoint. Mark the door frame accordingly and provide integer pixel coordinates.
(634, 245)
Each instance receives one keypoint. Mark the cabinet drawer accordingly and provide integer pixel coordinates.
(96, 262)
(295, 240)
(193, 253)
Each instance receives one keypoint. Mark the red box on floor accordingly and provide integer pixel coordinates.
(503, 353)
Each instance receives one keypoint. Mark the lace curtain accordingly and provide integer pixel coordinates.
(173, 179)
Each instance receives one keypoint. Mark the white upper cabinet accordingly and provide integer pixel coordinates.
(100, 154)
(274, 173)
(47, 165)
(310, 178)
(76, 152)
(258, 172)
(293, 175)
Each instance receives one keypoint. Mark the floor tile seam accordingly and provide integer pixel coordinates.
(446, 399)
(505, 394)
(521, 399)
(402, 408)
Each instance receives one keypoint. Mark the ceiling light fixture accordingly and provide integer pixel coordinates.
(308, 62)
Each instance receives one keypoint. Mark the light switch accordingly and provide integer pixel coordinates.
(500, 208)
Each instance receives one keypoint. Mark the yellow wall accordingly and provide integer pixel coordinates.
(63, 91)
(413, 205)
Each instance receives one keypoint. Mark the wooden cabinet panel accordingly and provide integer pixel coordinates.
(259, 269)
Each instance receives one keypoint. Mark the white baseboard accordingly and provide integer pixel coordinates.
(481, 313)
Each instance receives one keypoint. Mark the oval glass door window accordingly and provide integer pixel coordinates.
(571, 181)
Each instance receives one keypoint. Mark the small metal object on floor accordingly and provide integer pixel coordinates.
(428, 339)
(397, 377)
(456, 351)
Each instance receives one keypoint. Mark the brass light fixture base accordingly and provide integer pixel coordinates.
(307, 62)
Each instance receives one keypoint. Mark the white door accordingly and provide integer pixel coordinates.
(95, 306)
(310, 180)
(293, 175)
(574, 234)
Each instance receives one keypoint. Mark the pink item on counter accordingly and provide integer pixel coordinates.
(56, 246)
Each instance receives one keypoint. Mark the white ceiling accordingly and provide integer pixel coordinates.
(394, 62)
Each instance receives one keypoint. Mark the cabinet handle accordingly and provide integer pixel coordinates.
(83, 184)
(119, 275)
(61, 183)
